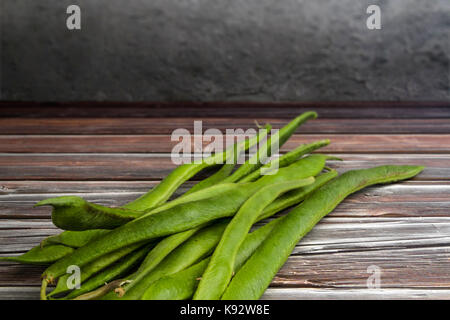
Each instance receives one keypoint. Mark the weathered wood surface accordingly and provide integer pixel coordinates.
(166, 125)
(15, 166)
(110, 154)
(342, 143)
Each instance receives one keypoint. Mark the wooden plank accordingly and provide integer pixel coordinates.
(342, 143)
(157, 166)
(411, 252)
(32, 293)
(405, 268)
(343, 294)
(409, 198)
(333, 234)
(385, 109)
(135, 126)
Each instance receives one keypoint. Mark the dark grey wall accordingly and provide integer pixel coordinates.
(257, 50)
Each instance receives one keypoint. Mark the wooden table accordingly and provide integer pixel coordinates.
(110, 153)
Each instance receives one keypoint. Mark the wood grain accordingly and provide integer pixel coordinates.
(32, 293)
(342, 143)
(155, 167)
(411, 252)
(411, 198)
(110, 153)
(134, 126)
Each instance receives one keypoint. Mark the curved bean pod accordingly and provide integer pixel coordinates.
(225, 171)
(74, 239)
(279, 138)
(254, 277)
(182, 217)
(163, 248)
(285, 159)
(296, 196)
(76, 214)
(194, 249)
(111, 273)
(220, 268)
(182, 285)
(92, 268)
(181, 174)
(42, 256)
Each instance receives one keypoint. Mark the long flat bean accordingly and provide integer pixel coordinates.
(194, 249)
(285, 159)
(42, 256)
(220, 269)
(182, 217)
(264, 151)
(182, 285)
(111, 273)
(74, 239)
(254, 277)
(92, 268)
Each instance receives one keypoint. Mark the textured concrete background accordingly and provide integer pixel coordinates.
(203, 50)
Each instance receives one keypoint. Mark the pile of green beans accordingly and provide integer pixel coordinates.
(200, 245)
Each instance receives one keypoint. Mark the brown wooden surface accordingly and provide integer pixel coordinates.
(111, 153)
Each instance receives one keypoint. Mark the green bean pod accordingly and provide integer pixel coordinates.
(162, 192)
(41, 256)
(74, 239)
(220, 268)
(296, 196)
(278, 139)
(76, 214)
(216, 178)
(285, 159)
(190, 252)
(113, 272)
(182, 217)
(225, 171)
(182, 285)
(254, 277)
(92, 268)
(163, 248)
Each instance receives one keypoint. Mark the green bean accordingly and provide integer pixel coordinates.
(74, 239)
(195, 196)
(220, 269)
(286, 159)
(216, 178)
(163, 248)
(182, 285)
(76, 214)
(111, 273)
(190, 252)
(279, 138)
(296, 196)
(254, 277)
(92, 268)
(224, 171)
(162, 192)
(42, 256)
(182, 217)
